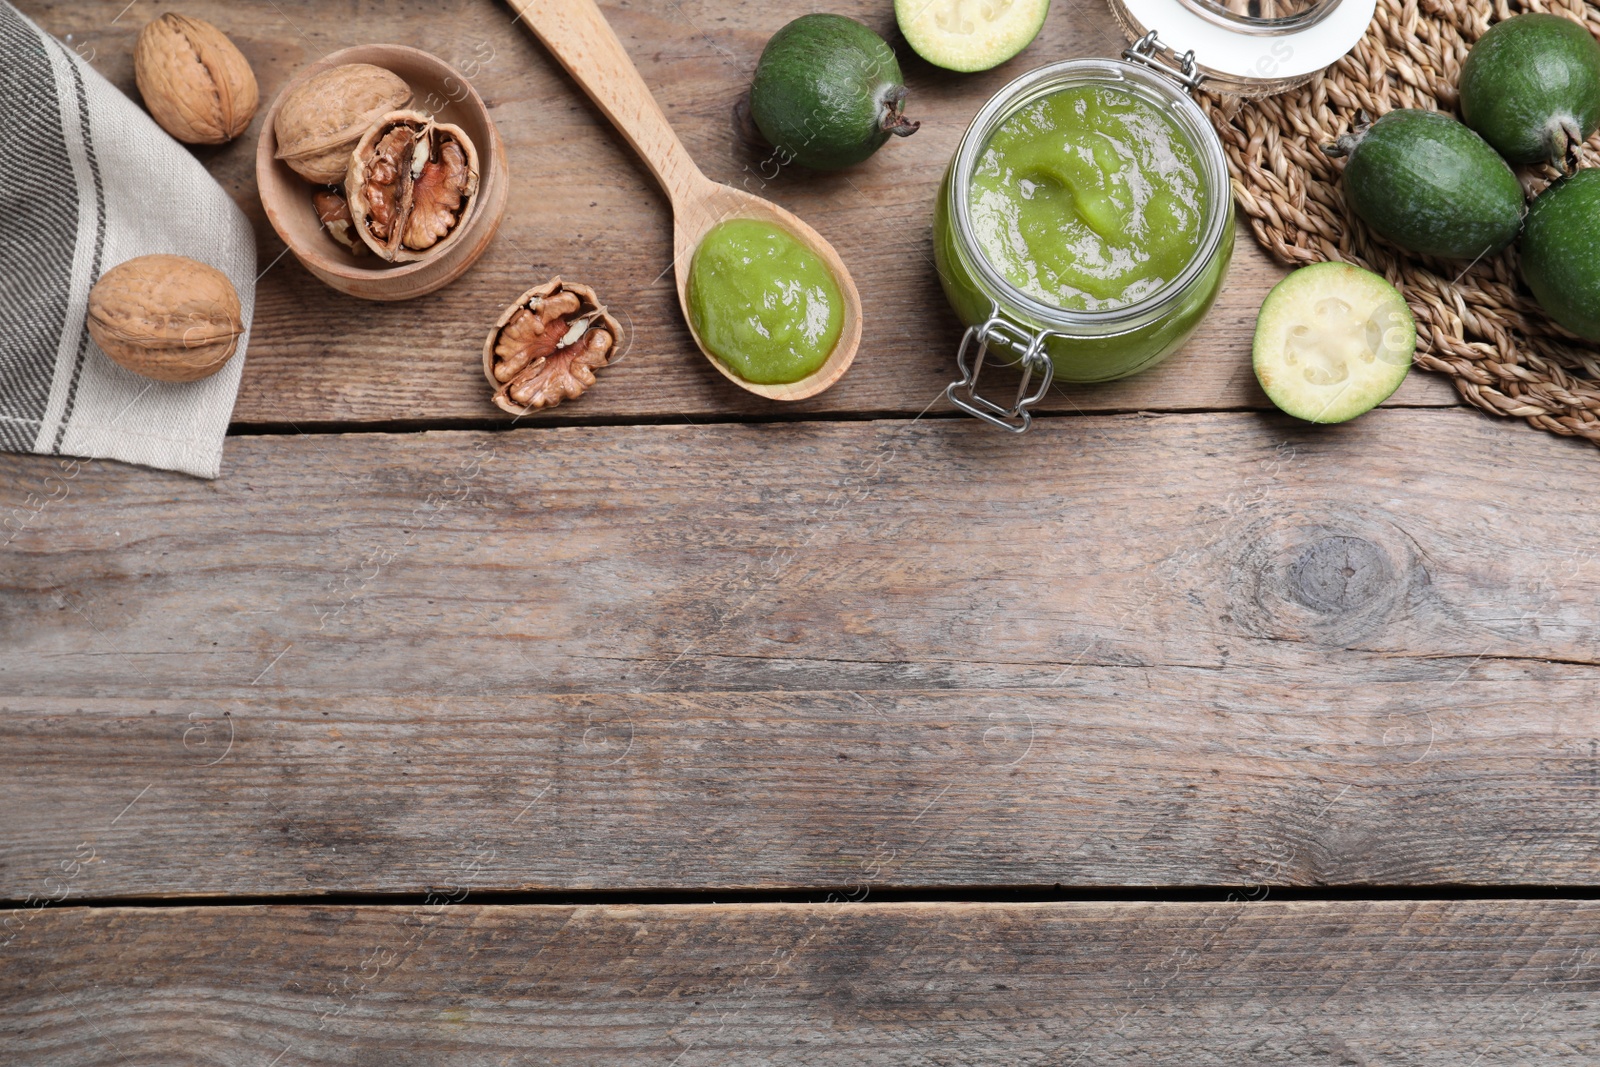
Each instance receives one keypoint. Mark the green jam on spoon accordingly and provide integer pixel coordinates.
(763, 303)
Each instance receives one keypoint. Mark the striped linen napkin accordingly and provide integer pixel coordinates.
(88, 180)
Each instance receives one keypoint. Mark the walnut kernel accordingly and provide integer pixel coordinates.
(410, 185)
(547, 345)
(333, 211)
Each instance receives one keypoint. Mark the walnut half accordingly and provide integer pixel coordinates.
(547, 345)
(410, 185)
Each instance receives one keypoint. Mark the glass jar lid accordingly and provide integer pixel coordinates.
(1248, 47)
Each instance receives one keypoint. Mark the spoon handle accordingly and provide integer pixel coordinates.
(577, 34)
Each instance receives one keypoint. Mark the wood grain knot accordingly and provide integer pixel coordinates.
(1334, 582)
(1340, 574)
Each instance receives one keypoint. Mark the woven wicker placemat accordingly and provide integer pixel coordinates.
(1475, 323)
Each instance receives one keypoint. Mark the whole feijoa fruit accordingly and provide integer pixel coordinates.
(1531, 87)
(170, 318)
(828, 92)
(1561, 252)
(1430, 185)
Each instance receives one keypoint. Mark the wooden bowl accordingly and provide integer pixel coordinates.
(437, 88)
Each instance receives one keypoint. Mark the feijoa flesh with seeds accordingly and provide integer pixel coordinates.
(1531, 88)
(1333, 341)
(828, 93)
(1425, 182)
(1561, 252)
(970, 35)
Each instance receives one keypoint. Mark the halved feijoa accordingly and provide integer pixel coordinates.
(969, 35)
(1430, 185)
(1561, 252)
(1333, 341)
(1531, 87)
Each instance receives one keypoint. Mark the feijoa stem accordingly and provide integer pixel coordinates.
(1347, 142)
(893, 120)
(1565, 141)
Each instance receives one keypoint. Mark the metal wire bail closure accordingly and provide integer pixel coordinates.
(1017, 418)
(1148, 50)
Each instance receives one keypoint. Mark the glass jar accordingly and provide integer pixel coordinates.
(1083, 346)
(1253, 46)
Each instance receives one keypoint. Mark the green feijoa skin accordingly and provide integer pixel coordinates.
(1531, 87)
(970, 35)
(1425, 182)
(1561, 252)
(828, 93)
(1332, 342)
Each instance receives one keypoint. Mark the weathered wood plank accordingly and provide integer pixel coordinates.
(1414, 984)
(1190, 649)
(1110, 782)
(584, 208)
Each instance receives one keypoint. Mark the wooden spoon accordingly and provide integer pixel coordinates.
(582, 41)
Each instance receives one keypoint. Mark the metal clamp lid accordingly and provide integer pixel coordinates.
(1245, 48)
(1017, 418)
(1147, 51)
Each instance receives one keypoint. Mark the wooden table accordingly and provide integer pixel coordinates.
(676, 727)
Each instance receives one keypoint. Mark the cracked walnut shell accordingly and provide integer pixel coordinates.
(170, 318)
(547, 345)
(195, 82)
(319, 124)
(410, 185)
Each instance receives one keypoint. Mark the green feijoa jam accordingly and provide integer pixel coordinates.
(1425, 182)
(1089, 198)
(1561, 252)
(827, 92)
(763, 303)
(1531, 87)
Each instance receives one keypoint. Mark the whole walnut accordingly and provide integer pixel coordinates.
(166, 317)
(197, 85)
(320, 122)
